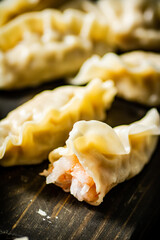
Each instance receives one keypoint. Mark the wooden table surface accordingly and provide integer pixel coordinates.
(129, 211)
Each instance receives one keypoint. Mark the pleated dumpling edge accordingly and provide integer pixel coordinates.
(97, 157)
(44, 122)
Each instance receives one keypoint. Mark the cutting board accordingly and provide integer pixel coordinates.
(29, 207)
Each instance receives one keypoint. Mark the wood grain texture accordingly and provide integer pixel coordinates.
(129, 211)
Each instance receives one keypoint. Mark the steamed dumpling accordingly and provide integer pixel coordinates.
(48, 44)
(134, 24)
(32, 130)
(136, 74)
(97, 157)
(12, 8)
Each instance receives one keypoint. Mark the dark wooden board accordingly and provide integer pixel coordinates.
(129, 211)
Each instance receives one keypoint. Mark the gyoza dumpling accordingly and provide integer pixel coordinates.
(11, 8)
(136, 74)
(97, 157)
(41, 46)
(32, 130)
(134, 24)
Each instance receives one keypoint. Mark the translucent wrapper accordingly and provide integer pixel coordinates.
(136, 74)
(48, 44)
(12, 8)
(32, 130)
(97, 157)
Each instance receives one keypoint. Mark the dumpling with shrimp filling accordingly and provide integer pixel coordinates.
(97, 157)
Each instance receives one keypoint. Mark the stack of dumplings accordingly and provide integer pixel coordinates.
(101, 49)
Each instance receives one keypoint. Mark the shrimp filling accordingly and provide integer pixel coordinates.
(70, 175)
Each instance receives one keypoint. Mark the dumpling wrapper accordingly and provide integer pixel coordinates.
(97, 157)
(136, 74)
(48, 44)
(12, 8)
(134, 24)
(32, 130)
(51, 44)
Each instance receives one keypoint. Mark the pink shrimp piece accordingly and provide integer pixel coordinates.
(70, 175)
